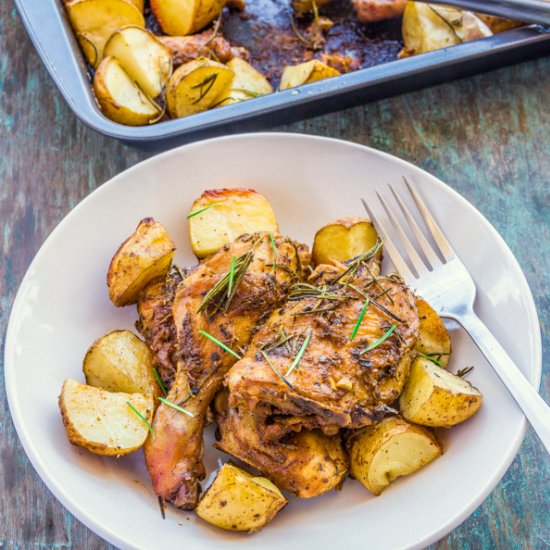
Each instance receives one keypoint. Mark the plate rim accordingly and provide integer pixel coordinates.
(108, 534)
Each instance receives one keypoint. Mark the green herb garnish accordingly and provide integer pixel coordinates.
(176, 407)
(221, 344)
(276, 370)
(231, 275)
(205, 86)
(196, 213)
(430, 358)
(464, 371)
(142, 418)
(300, 354)
(274, 247)
(360, 319)
(380, 340)
(159, 380)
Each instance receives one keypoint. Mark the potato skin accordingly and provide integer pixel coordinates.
(305, 73)
(230, 213)
(381, 453)
(120, 362)
(101, 421)
(142, 257)
(434, 397)
(238, 501)
(433, 338)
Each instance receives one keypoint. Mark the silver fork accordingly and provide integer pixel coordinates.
(443, 281)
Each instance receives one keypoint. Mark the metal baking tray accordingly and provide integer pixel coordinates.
(53, 38)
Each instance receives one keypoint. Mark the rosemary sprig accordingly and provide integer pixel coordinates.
(298, 34)
(274, 344)
(360, 319)
(276, 370)
(222, 293)
(430, 358)
(197, 212)
(353, 265)
(159, 380)
(215, 30)
(386, 311)
(204, 86)
(305, 290)
(176, 407)
(142, 418)
(464, 371)
(300, 354)
(221, 344)
(274, 247)
(161, 506)
(382, 338)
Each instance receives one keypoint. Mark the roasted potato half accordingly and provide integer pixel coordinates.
(119, 97)
(391, 449)
(434, 397)
(197, 86)
(433, 338)
(121, 362)
(429, 27)
(146, 60)
(344, 239)
(181, 17)
(239, 501)
(219, 216)
(94, 21)
(498, 24)
(144, 256)
(246, 84)
(305, 73)
(104, 422)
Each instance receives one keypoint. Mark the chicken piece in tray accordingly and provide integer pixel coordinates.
(225, 299)
(370, 11)
(335, 356)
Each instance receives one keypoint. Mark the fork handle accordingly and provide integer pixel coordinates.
(530, 402)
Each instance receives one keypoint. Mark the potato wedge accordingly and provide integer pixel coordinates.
(103, 422)
(433, 338)
(305, 73)
(197, 86)
(120, 99)
(344, 239)
(434, 397)
(146, 60)
(181, 17)
(246, 84)
(144, 256)
(94, 21)
(498, 24)
(227, 214)
(391, 449)
(121, 362)
(429, 27)
(239, 501)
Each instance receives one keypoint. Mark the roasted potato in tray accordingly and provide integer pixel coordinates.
(247, 83)
(104, 422)
(121, 362)
(146, 60)
(391, 449)
(434, 397)
(94, 21)
(239, 501)
(120, 98)
(219, 216)
(144, 256)
(343, 240)
(433, 338)
(305, 73)
(181, 17)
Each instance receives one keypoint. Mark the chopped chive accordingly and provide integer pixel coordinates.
(276, 370)
(274, 246)
(142, 418)
(381, 339)
(430, 358)
(464, 371)
(298, 357)
(221, 344)
(231, 275)
(360, 319)
(174, 406)
(159, 380)
(197, 212)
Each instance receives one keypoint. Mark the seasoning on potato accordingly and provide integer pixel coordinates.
(144, 256)
(434, 397)
(239, 501)
(391, 449)
(433, 339)
(305, 73)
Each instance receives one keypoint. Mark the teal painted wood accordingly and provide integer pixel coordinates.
(486, 136)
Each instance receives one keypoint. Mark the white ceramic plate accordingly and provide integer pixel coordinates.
(62, 306)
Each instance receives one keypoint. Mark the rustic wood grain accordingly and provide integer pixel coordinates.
(487, 136)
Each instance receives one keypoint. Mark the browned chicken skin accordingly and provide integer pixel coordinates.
(174, 455)
(369, 11)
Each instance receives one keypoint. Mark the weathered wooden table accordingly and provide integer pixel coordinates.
(487, 136)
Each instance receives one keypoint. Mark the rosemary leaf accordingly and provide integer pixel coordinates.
(197, 212)
(276, 370)
(159, 380)
(231, 275)
(300, 354)
(221, 344)
(381, 339)
(176, 407)
(360, 319)
(142, 418)
(274, 247)
(430, 358)
(464, 371)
